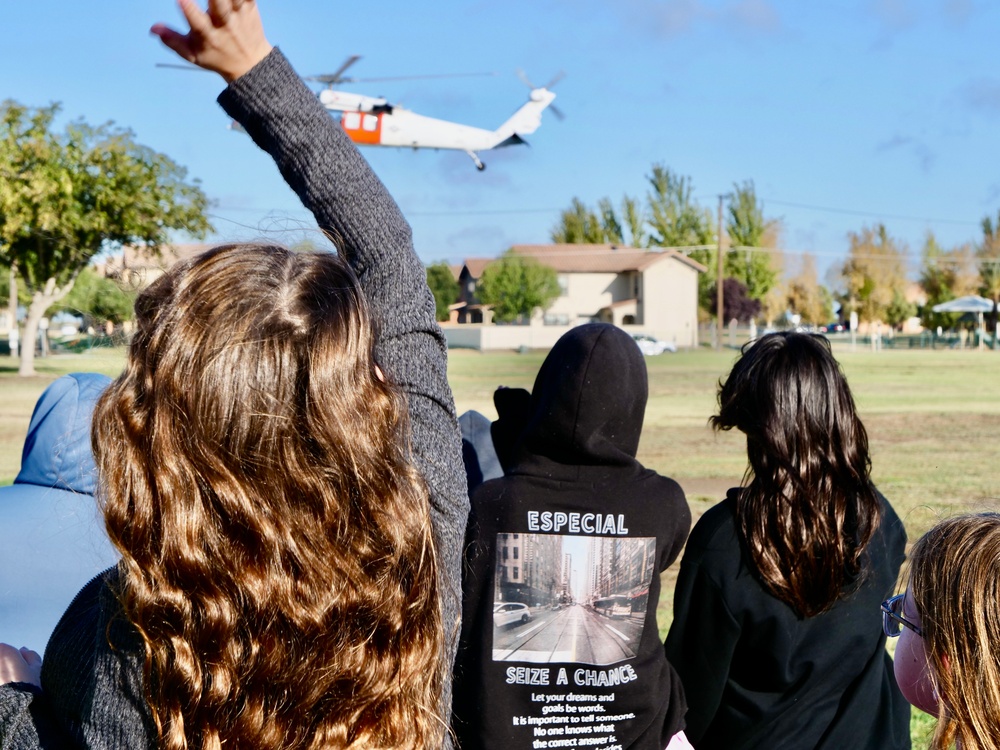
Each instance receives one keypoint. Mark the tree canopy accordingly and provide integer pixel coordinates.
(67, 195)
(805, 297)
(97, 299)
(443, 286)
(515, 286)
(750, 237)
(874, 273)
(671, 217)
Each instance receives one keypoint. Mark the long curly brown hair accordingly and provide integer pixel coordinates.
(808, 509)
(276, 542)
(955, 584)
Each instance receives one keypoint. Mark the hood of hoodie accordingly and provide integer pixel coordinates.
(57, 450)
(588, 401)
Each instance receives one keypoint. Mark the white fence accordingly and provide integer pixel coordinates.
(491, 337)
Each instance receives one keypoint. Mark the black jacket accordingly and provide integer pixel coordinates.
(569, 546)
(757, 675)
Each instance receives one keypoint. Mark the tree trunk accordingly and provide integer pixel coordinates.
(12, 306)
(40, 302)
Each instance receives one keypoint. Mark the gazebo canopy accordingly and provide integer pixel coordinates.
(970, 303)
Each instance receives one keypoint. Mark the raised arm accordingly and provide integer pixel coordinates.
(324, 168)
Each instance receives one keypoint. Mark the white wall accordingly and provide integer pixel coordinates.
(589, 292)
(669, 302)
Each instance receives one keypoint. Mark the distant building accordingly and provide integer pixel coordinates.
(652, 291)
(138, 267)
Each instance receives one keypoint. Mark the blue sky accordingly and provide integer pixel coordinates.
(843, 114)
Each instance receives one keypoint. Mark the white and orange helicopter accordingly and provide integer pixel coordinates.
(374, 121)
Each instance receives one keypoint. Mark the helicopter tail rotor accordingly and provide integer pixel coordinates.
(552, 82)
(548, 86)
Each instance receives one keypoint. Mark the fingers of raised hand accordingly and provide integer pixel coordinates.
(31, 658)
(19, 665)
(200, 22)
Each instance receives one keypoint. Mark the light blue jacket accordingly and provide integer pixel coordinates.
(52, 538)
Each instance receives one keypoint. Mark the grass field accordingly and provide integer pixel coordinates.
(933, 420)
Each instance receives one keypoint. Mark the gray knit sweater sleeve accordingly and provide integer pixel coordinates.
(324, 168)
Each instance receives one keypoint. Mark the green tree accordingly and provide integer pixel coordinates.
(676, 220)
(988, 255)
(515, 286)
(66, 196)
(96, 299)
(444, 287)
(634, 220)
(749, 232)
(874, 273)
(578, 225)
(899, 309)
(940, 278)
(610, 224)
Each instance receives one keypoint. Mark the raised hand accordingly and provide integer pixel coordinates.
(20, 665)
(228, 38)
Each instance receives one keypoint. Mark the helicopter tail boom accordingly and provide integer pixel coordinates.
(528, 117)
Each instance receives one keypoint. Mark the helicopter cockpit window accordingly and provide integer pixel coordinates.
(370, 123)
(352, 120)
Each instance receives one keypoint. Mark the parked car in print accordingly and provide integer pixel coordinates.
(651, 346)
(508, 613)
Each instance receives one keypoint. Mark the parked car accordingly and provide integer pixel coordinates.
(650, 345)
(506, 613)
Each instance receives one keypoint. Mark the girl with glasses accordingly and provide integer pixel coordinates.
(776, 633)
(947, 659)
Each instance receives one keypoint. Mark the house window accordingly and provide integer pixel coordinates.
(556, 319)
(563, 280)
(516, 571)
(505, 553)
(515, 552)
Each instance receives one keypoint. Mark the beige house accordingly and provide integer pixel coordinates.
(139, 267)
(648, 291)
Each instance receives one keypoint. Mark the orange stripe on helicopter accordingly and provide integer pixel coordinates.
(363, 127)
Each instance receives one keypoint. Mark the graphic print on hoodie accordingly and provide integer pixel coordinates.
(559, 645)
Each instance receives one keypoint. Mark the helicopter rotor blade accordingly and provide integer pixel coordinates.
(332, 79)
(557, 112)
(555, 79)
(338, 74)
(524, 79)
(182, 66)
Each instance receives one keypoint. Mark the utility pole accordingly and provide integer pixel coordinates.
(718, 280)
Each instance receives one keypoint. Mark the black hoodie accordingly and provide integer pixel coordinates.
(560, 646)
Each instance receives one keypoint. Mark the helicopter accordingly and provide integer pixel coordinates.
(374, 121)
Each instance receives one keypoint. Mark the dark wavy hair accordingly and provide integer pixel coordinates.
(275, 538)
(808, 508)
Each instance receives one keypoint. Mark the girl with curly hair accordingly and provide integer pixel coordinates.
(280, 468)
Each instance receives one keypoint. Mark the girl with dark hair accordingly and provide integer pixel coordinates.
(281, 471)
(776, 633)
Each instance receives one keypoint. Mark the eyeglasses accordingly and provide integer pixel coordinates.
(893, 621)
